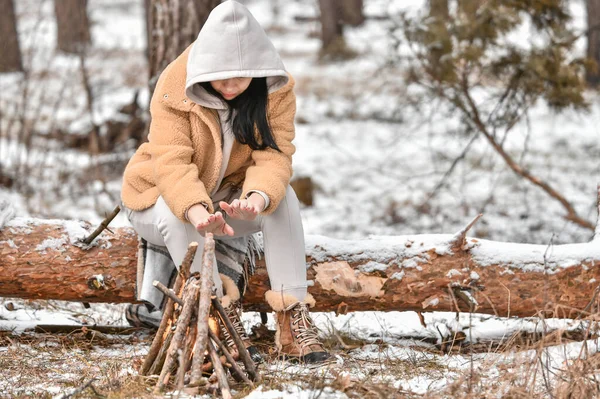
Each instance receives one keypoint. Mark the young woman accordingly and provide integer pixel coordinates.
(219, 160)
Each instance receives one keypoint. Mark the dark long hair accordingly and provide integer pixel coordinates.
(249, 111)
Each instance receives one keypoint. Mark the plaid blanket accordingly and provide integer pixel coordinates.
(235, 258)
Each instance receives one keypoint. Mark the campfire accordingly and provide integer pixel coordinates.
(187, 348)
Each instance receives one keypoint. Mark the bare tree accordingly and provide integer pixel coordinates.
(352, 12)
(334, 14)
(10, 52)
(515, 79)
(332, 29)
(469, 7)
(171, 27)
(72, 25)
(593, 36)
(438, 37)
(438, 9)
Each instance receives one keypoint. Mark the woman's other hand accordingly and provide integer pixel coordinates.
(208, 223)
(246, 209)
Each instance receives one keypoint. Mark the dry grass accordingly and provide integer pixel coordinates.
(44, 365)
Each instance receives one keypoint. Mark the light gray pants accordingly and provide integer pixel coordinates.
(283, 238)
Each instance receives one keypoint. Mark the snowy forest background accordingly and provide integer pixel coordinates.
(413, 117)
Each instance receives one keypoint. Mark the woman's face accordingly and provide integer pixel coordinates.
(231, 88)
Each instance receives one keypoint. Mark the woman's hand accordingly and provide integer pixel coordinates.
(246, 209)
(205, 222)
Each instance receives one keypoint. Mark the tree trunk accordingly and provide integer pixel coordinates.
(468, 7)
(437, 33)
(439, 9)
(10, 52)
(171, 27)
(42, 260)
(593, 36)
(332, 29)
(352, 12)
(72, 26)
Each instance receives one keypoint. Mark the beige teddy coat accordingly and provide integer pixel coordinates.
(183, 157)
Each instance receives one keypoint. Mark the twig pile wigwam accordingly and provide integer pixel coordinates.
(186, 346)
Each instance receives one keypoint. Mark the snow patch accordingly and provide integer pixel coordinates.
(410, 264)
(293, 391)
(470, 296)
(398, 275)
(532, 257)
(55, 244)
(7, 212)
(75, 232)
(453, 272)
(372, 266)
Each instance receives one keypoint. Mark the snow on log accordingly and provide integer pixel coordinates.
(45, 259)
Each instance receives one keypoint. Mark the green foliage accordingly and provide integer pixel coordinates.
(474, 46)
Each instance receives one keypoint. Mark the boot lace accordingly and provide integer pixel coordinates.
(304, 328)
(233, 313)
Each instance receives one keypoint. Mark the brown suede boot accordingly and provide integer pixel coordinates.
(297, 338)
(233, 308)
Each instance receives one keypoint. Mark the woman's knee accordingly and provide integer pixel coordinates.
(289, 202)
(288, 210)
(166, 221)
(291, 197)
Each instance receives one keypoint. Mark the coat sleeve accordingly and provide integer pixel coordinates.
(271, 170)
(175, 175)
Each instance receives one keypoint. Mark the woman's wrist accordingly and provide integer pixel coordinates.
(257, 200)
(197, 213)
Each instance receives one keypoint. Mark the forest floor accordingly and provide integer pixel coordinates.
(378, 354)
(379, 161)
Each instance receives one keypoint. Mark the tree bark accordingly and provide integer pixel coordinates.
(469, 7)
(437, 33)
(10, 52)
(43, 260)
(171, 27)
(593, 37)
(439, 9)
(352, 12)
(332, 29)
(72, 26)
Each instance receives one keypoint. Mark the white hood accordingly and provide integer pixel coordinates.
(231, 44)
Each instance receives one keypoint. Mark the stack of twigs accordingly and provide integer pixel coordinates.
(184, 337)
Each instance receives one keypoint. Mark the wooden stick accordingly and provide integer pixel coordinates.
(181, 370)
(206, 287)
(459, 240)
(219, 371)
(159, 339)
(80, 389)
(162, 354)
(88, 240)
(186, 264)
(166, 322)
(170, 293)
(243, 352)
(189, 301)
(66, 328)
(236, 368)
(189, 343)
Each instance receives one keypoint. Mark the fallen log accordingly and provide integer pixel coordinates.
(45, 259)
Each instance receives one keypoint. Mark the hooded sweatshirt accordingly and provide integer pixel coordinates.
(183, 158)
(231, 44)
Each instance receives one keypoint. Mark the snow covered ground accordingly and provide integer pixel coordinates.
(375, 159)
(388, 351)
